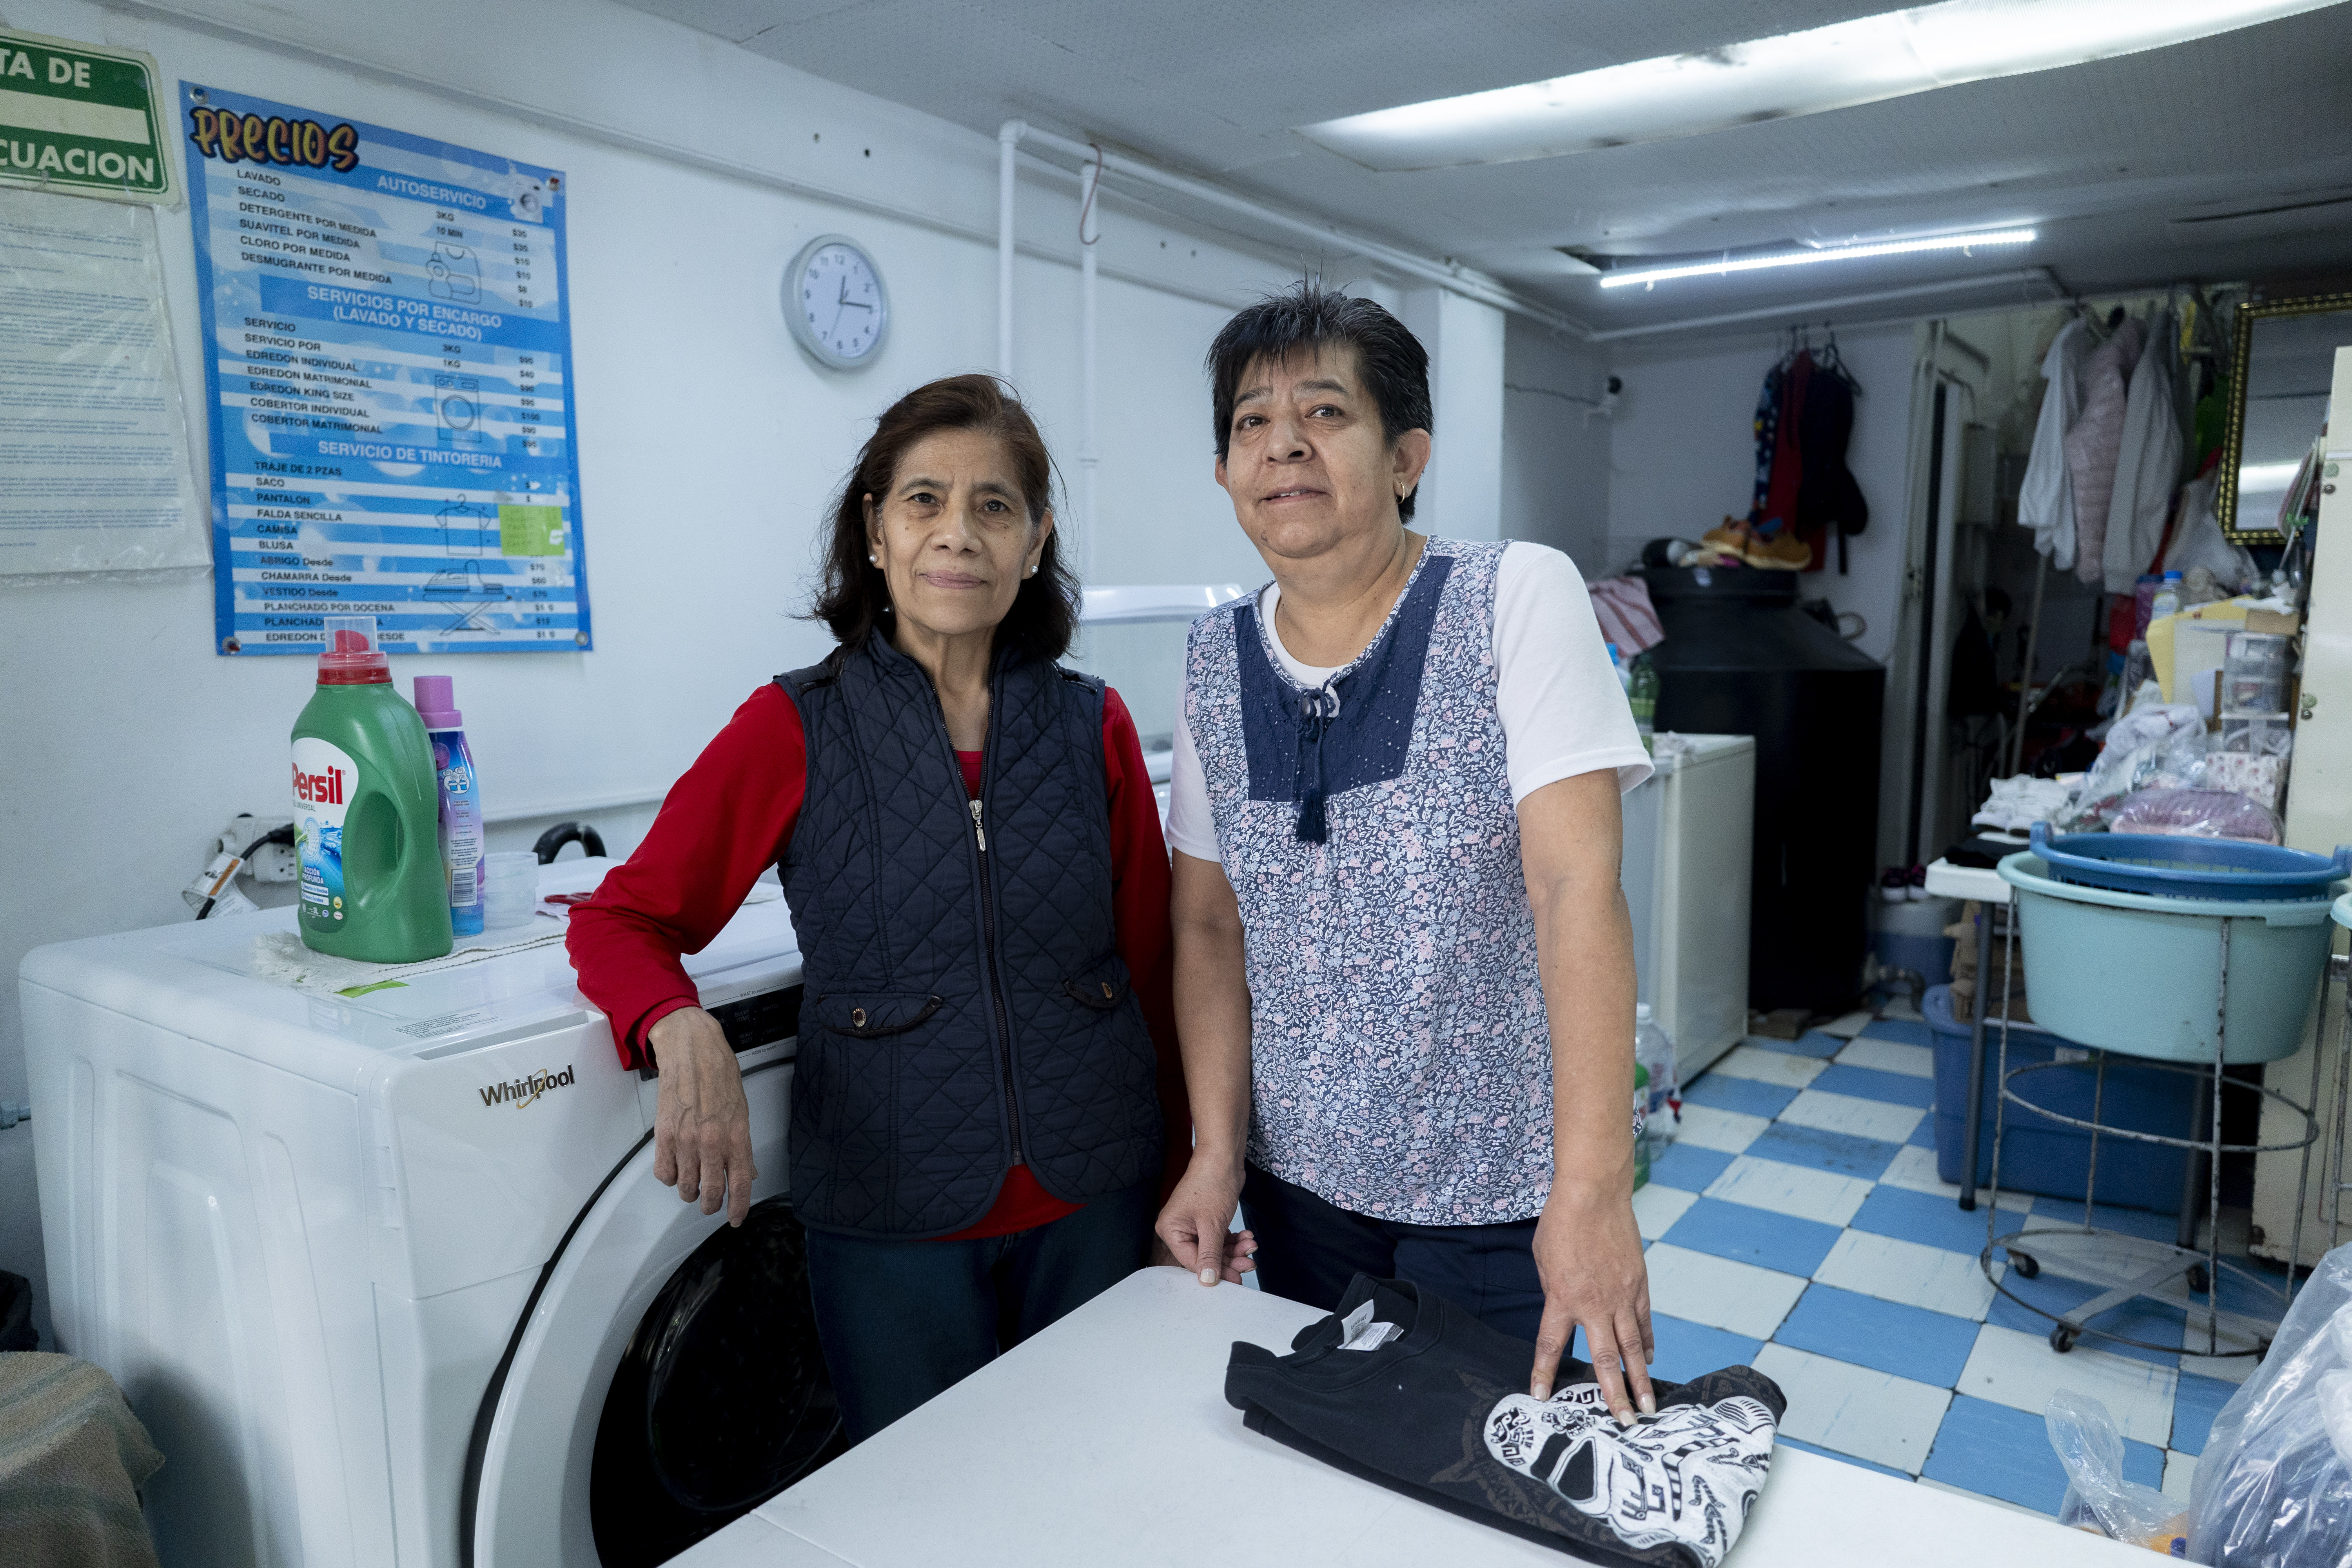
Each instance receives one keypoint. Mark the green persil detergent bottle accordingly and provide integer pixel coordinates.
(367, 811)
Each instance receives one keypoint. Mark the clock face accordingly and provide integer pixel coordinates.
(836, 302)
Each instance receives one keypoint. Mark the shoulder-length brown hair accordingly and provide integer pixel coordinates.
(853, 596)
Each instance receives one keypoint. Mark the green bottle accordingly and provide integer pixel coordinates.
(1642, 694)
(367, 811)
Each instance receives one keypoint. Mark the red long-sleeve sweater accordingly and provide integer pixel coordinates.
(730, 816)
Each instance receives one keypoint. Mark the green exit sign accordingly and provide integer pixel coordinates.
(81, 119)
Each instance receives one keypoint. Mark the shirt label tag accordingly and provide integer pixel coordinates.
(1358, 1333)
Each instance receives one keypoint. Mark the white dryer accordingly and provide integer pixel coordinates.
(387, 1275)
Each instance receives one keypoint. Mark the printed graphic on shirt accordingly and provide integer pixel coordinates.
(1688, 1476)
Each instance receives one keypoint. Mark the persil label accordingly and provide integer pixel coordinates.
(326, 781)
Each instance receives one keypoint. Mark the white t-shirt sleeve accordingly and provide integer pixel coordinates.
(1190, 828)
(1563, 712)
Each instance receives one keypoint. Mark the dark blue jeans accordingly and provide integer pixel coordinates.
(1309, 1249)
(903, 1320)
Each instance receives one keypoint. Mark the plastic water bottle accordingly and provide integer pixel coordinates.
(1642, 1137)
(1653, 1060)
(2168, 597)
(1642, 694)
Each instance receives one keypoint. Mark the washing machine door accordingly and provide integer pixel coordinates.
(664, 1379)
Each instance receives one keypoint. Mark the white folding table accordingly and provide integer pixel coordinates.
(1107, 1440)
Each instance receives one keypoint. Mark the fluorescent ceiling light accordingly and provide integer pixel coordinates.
(2266, 476)
(1729, 264)
(1836, 66)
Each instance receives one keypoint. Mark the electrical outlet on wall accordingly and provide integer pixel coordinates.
(271, 862)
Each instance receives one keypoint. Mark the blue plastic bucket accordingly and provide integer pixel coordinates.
(2130, 973)
(2179, 867)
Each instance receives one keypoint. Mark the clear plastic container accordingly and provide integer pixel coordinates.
(2258, 735)
(2254, 673)
(509, 888)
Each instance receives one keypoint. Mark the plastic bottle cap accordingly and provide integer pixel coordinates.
(2172, 576)
(1640, 1012)
(436, 704)
(351, 656)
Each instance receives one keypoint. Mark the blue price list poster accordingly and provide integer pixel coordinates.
(388, 364)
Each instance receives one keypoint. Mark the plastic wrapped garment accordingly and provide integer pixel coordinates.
(2091, 1446)
(2196, 814)
(2273, 1488)
(2156, 746)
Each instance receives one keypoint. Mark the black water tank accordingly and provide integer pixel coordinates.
(1740, 658)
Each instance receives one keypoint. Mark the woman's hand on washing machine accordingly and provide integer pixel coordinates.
(702, 1124)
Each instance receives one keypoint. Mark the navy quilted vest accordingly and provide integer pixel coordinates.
(966, 1006)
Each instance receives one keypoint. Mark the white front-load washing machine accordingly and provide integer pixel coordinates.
(387, 1272)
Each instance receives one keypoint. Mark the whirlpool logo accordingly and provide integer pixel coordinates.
(521, 1091)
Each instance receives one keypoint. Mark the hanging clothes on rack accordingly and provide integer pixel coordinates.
(1828, 498)
(1788, 448)
(2096, 441)
(2148, 463)
(1767, 430)
(2046, 503)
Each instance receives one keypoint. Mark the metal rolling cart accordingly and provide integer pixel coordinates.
(2339, 969)
(2128, 972)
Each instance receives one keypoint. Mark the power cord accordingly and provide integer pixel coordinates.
(280, 834)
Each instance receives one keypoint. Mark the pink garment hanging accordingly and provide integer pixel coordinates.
(1622, 606)
(2095, 443)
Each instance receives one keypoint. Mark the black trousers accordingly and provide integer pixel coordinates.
(903, 1320)
(1309, 1249)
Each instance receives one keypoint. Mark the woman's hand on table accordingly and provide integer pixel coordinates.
(1192, 1228)
(1589, 1253)
(702, 1124)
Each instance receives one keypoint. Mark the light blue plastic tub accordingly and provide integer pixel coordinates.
(2133, 973)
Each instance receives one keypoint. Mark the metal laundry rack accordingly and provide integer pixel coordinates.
(2129, 1266)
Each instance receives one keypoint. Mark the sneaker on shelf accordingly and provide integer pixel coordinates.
(1894, 884)
(1783, 551)
(1732, 539)
(1915, 884)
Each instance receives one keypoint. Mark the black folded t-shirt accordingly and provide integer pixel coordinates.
(1434, 1407)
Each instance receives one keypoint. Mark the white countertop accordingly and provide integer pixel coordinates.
(1108, 1439)
(1945, 880)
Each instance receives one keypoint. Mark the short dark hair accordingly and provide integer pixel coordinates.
(854, 595)
(1306, 317)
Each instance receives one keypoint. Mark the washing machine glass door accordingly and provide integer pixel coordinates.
(721, 1400)
(664, 1378)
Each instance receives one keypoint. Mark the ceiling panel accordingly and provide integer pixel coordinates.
(2099, 155)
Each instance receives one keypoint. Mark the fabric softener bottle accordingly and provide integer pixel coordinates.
(366, 811)
(461, 800)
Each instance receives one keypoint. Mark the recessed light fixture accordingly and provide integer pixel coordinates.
(1729, 264)
(1836, 66)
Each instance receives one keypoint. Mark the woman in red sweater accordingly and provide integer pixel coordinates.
(988, 1103)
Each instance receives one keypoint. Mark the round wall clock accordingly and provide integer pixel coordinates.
(834, 299)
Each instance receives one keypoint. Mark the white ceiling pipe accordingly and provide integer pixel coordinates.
(1089, 232)
(1806, 308)
(1445, 274)
(1008, 143)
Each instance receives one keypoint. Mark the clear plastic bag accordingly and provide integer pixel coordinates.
(2196, 814)
(2091, 1446)
(2273, 1488)
(2156, 746)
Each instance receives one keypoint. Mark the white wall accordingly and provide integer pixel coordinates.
(709, 444)
(1555, 445)
(1461, 491)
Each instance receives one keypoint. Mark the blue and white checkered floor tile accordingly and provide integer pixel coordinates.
(1797, 1226)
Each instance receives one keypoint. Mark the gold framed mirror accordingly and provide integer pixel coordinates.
(2284, 355)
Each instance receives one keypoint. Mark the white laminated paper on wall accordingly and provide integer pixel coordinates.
(94, 471)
